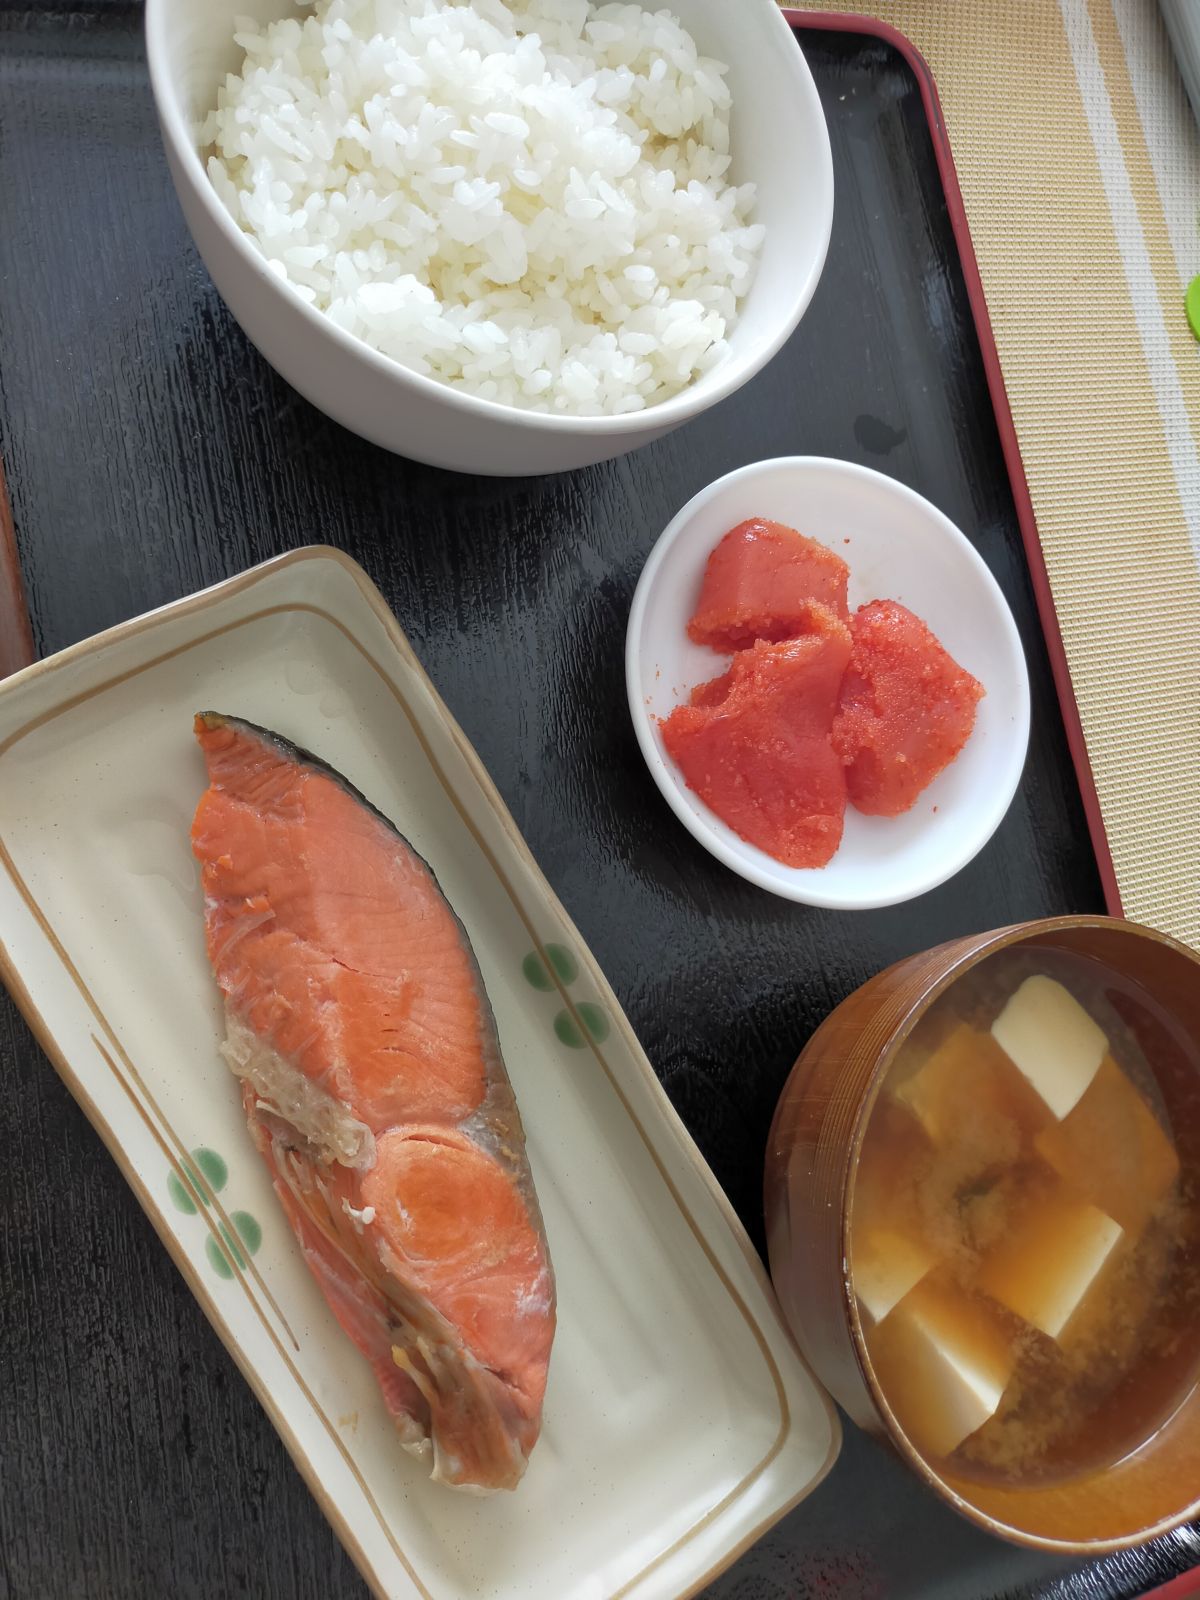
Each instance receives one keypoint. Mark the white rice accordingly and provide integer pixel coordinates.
(523, 198)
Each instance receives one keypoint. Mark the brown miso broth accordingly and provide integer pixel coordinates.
(1024, 1224)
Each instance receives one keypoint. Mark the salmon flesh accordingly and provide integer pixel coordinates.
(357, 1022)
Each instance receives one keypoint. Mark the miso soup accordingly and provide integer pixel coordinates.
(1023, 1235)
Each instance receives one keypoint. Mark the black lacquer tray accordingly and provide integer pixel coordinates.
(149, 451)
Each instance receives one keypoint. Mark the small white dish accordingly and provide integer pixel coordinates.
(680, 1422)
(780, 142)
(899, 547)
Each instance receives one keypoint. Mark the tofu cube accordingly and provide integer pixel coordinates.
(886, 1264)
(968, 1085)
(895, 1151)
(943, 1361)
(1050, 1260)
(1112, 1149)
(1051, 1041)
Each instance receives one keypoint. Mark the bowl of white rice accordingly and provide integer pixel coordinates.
(504, 236)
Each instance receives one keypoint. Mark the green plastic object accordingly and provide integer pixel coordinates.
(1191, 301)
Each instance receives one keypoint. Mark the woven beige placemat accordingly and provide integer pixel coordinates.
(1079, 162)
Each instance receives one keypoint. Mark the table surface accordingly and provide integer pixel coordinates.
(149, 451)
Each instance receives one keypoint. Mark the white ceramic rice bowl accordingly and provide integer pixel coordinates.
(780, 142)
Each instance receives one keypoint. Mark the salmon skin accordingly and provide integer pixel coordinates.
(357, 1022)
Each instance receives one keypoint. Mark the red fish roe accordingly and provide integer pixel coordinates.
(754, 744)
(713, 691)
(761, 582)
(905, 711)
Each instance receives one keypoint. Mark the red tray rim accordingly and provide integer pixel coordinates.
(875, 27)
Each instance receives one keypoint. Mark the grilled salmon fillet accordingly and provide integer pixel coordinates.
(357, 1022)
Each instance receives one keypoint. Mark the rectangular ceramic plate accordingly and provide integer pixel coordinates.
(679, 1420)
